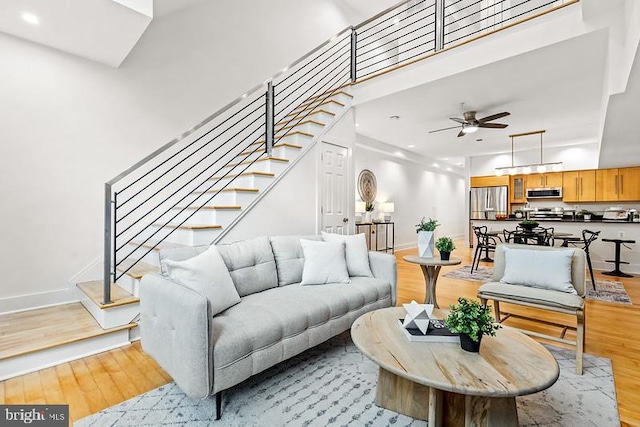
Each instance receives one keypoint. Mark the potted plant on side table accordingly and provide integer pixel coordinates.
(425, 237)
(471, 320)
(445, 246)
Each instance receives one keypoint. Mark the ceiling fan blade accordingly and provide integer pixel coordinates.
(492, 125)
(455, 119)
(494, 117)
(461, 134)
(438, 130)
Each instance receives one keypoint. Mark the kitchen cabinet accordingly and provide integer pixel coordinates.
(618, 185)
(489, 181)
(517, 193)
(579, 186)
(545, 180)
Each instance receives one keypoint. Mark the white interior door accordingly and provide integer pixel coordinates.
(334, 212)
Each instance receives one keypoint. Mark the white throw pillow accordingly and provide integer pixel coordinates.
(539, 269)
(208, 275)
(357, 253)
(324, 262)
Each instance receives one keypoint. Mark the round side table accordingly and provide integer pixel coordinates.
(430, 269)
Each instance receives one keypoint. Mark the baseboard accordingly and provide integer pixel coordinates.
(39, 300)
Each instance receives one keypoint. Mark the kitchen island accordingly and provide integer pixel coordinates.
(600, 251)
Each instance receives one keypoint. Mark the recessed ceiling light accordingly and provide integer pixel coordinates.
(436, 165)
(357, 124)
(411, 146)
(446, 158)
(30, 18)
(394, 117)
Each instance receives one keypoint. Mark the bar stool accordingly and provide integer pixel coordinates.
(588, 237)
(616, 271)
(484, 242)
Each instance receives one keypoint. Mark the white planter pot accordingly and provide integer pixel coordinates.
(425, 244)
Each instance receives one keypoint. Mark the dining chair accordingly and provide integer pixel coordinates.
(484, 243)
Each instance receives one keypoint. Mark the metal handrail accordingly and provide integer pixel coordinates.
(302, 94)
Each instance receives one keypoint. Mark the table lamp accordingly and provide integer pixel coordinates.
(360, 209)
(388, 208)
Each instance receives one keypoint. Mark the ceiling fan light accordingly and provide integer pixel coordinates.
(469, 128)
(526, 170)
(541, 169)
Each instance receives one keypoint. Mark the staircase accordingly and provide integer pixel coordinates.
(215, 210)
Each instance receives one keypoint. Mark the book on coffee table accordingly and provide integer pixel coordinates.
(437, 332)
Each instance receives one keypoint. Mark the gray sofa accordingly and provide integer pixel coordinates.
(275, 319)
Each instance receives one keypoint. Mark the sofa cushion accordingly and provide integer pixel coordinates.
(357, 253)
(179, 254)
(266, 318)
(531, 295)
(206, 274)
(324, 262)
(523, 267)
(289, 257)
(251, 265)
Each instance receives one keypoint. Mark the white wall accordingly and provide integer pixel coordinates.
(416, 188)
(68, 125)
(574, 157)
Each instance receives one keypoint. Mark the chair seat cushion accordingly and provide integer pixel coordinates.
(543, 297)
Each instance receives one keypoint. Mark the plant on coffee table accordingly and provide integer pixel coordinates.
(471, 320)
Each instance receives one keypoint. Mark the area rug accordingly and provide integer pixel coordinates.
(608, 290)
(482, 274)
(334, 384)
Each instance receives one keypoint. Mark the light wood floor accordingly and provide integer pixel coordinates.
(91, 384)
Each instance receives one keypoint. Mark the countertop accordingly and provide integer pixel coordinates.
(569, 220)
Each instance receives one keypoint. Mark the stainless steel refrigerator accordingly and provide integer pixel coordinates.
(486, 202)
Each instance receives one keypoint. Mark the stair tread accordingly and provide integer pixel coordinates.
(119, 296)
(235, 175)
(336, 93)
(265, 159)
(303, 122)
(296, 132)
(226, 190)
(211, 208)
(309, 105)
(157, 245)
(279, 144)
(311, 114)
(44, 328)
(139, 269)
(193, 226)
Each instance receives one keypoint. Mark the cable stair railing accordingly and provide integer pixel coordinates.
(150, 201)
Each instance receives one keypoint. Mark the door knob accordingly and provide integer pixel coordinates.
(345, 219)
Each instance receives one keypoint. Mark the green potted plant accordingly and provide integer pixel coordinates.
(368, 208)
(425, 231)
(445, 246)
(528, 224)
(471, 320)
(586, 214)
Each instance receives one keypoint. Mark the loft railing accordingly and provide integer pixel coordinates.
(148, 202)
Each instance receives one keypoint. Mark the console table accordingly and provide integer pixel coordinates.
(616, 271)
(373, 230)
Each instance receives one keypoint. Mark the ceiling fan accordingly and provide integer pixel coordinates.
(470, 124)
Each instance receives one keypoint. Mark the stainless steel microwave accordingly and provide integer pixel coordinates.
(544, 193)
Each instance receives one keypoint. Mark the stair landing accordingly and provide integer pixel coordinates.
(36, 339)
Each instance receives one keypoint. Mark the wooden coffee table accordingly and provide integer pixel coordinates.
(446, 385)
